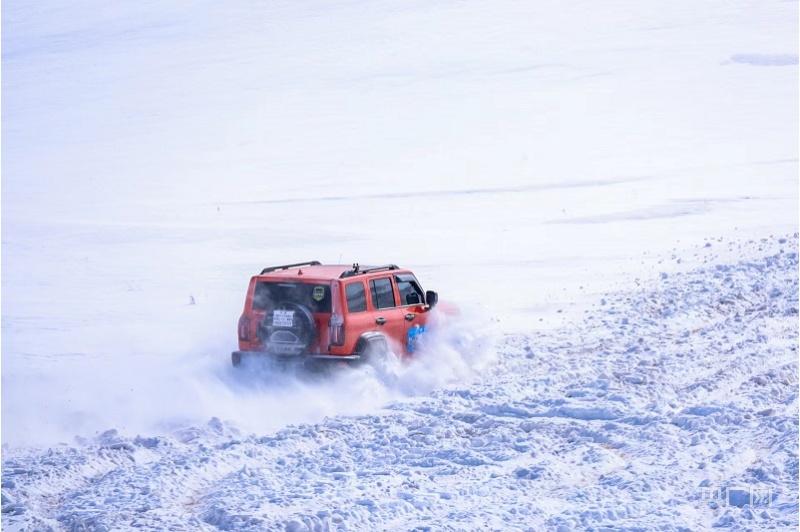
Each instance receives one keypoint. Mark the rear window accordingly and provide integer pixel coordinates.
(382, 293)
(356, 297)
(268, 294)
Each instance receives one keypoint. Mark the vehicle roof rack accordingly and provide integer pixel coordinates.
(357, 270)
(287, 266)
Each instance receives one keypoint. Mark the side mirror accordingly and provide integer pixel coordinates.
(431, 298)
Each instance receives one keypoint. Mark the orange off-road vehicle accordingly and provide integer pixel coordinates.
(318, 311)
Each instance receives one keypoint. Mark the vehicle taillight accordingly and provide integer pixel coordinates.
(336, 325)
(244, 328)
(336, 336)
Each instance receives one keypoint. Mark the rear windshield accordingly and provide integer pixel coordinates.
(268, 294)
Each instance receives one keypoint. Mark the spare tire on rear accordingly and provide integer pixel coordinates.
(288, 329)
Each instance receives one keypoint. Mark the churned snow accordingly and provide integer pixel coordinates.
(672, 405)
(608, 191)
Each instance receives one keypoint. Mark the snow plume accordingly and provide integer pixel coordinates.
(159, 394)
(457, 349)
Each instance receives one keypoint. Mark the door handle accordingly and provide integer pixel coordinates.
(410, 316)
(380, 321)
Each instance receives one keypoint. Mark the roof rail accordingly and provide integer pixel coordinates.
(357, 270)
(287, 266)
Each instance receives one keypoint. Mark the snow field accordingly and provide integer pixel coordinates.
(638, 415)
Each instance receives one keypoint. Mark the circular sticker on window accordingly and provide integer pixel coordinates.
(319, 293)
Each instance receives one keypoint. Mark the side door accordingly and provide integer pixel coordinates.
(358, 318)
(388, 317)
(412, 303)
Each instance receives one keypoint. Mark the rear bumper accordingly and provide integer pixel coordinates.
(238, 356)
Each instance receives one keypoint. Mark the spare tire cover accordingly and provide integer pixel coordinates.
(288, 329)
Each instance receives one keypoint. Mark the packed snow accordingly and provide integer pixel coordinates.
(608, 192)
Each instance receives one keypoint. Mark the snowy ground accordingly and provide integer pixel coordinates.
(602, 188)
(667, 406)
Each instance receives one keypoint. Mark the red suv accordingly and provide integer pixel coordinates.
(335, 312)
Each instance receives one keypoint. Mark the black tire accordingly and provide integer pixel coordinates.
(295, 339)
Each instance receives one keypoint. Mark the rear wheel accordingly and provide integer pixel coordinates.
(377, 356)
(373, 351)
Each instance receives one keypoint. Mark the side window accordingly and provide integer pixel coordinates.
(382, 293)
(356, 297)
(410, 292)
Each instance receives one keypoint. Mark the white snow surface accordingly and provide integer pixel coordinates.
(608, 192)
(649, 414)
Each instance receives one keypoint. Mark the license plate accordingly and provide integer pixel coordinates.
(283, 318)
